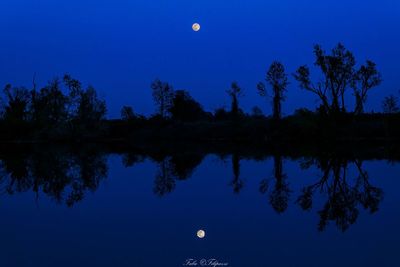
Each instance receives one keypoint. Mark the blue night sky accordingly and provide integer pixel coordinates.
(121, 46)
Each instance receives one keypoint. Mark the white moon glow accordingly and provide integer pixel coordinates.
(201, 234)
(196, 27)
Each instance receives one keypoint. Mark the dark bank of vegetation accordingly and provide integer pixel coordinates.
(64, 110)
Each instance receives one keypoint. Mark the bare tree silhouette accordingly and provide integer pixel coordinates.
(366, 78)
(234, 93)
(163, 94)
(339, 74)
(278, 80)
(390, 104)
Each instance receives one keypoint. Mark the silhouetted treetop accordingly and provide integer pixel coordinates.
(366, 78)
(17, 103)
(185, 108)
(234, 93)
(49, 105)
(163, 94)
(339, 74)
(390, 104)
(278, 80)
(54, 110)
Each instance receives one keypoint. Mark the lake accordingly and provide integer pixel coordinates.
(130, 209)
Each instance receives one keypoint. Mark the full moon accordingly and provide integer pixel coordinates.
(196, 27)
(201, 234)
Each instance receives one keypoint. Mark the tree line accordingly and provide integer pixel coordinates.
(339, 78)
(65, 106)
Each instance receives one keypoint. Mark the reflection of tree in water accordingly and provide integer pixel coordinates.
(172, 168)
(130, 159)
(62, 175)
(88, 170)
(344, 197)
(183, 165)
(236, 183)
(15, 174)
(279, 196)
(165, 180)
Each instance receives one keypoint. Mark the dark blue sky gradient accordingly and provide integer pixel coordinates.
(121, 46)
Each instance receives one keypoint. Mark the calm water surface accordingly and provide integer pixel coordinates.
(127, 210)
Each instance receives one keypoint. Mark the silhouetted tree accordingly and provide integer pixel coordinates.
(366, 78)
(390, 104)
(74, 92)
(16, 104)
(49, 105)
(74, 86)
(278, 80)
(339, 73)
(127, 113)
(235, 92)
(163, 94)
(86, 108)
(337, 70)
(185, 108)
(91, 109)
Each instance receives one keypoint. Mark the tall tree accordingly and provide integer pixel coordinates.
(91, 109)
(49, 105)
(75, 91)
(235, 92)
(366, 78)
(163, 94)
(338, 72)
(278, 80)
(86, 107)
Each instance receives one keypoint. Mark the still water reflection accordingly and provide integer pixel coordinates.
(90, 208)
